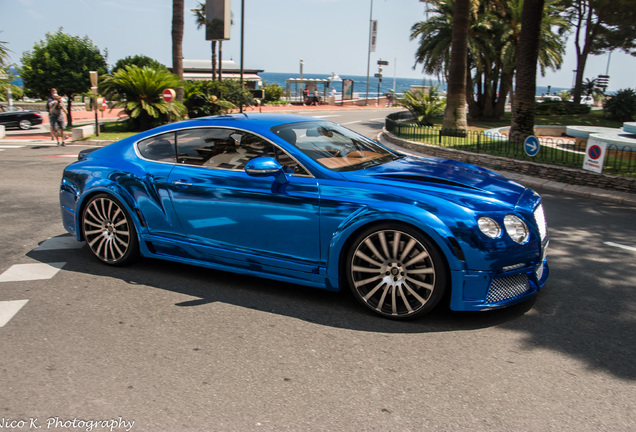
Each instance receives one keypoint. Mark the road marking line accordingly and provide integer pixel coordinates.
(629, 248)
(352, 122)
(29, 272)
(326, 115)
(8, 309)
(64, 242)
(10, 146)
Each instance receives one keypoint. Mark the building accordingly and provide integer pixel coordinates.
(200, 70)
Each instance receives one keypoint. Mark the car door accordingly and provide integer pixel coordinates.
(235, 218)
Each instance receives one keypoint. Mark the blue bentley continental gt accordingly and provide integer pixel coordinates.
(307, 201)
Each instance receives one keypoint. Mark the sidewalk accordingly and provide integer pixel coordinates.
(79, 118)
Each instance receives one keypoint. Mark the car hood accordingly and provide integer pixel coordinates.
(443, 176)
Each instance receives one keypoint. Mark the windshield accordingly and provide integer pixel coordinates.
(333, 146)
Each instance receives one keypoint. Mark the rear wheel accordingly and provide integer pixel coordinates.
(396, 271)
(109, 231)
(25, 124)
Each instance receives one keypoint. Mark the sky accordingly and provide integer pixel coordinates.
(328, 35)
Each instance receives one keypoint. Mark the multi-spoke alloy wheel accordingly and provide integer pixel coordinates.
(108, 231)
(396, 272)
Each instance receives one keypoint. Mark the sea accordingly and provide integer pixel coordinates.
(388, 83)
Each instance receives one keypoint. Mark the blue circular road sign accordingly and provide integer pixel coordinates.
(531, 145)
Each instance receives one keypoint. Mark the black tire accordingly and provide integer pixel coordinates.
(395, 271)
(109, 231)
(25, 124)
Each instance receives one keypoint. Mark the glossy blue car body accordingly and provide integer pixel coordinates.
(263, 221)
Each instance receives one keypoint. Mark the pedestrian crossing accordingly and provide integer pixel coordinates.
(33, 272)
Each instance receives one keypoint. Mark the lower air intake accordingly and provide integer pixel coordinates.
(507, 288)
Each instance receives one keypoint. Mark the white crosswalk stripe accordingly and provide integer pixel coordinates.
(8, 309)
(32, 272)
(29, 272)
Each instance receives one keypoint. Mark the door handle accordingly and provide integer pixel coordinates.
(181, 183)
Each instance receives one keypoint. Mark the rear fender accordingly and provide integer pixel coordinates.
(120, 194)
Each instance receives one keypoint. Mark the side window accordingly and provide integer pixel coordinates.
(290, 165)
(158, 148)
(198, 146)
(241, 148)
(229, 149)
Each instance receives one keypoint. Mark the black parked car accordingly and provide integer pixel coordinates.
(15, 117)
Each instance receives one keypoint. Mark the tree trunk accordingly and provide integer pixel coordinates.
(213, 60)
(455, 115)
(69, 117)
(523, 106)
(177, 42)
(220, 60)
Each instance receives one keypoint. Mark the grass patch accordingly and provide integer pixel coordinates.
(593, 118)
(113, 131)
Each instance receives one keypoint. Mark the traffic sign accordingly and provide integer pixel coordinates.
(168, 95)
(531, 146)
(594, 155)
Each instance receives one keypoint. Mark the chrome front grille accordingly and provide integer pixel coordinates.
(507, 287)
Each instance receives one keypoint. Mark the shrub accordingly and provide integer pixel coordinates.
(424, 104)
(621, 106)
(204, 98)
(273, 92)
(561, 108)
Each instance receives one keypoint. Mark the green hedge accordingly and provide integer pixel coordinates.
(561, 108)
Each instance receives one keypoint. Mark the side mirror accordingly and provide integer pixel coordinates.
(265, 167)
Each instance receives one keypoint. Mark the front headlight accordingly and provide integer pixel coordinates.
(489, 226)
(516, 229)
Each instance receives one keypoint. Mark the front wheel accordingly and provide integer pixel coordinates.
(396, 272)
(109, 231)
(25, 124)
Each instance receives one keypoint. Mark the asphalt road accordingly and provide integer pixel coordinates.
(177, 348)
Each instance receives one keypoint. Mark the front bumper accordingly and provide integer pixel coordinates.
(476, 290)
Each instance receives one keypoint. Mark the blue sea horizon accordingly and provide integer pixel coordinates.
(388, 83)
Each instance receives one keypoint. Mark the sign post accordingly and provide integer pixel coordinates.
(93, 76)
(168, 96)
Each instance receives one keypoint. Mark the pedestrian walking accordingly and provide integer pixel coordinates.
(57, 112)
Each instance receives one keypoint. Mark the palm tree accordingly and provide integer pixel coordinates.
(177, 42)
(138, 90)
(4, 53)
(455, 114)
(199, 13)
(523, 106)
(492, 41)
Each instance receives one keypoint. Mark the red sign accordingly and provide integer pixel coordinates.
(168, 95)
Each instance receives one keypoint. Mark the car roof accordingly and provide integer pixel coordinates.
(263, 120)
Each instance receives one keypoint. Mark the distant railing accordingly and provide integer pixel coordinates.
(556, 151)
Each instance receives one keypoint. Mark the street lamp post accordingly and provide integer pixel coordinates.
(369, 53)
